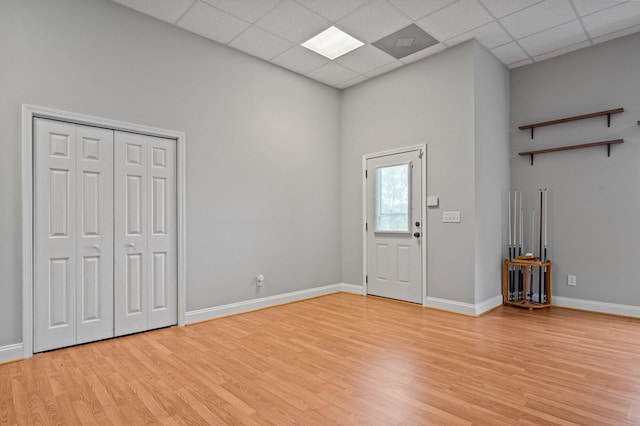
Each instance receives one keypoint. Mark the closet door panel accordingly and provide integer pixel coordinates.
(54, 209)
(131, 259)
(162, 232)
(94, 234)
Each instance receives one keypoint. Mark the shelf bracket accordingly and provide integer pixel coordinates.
(608, 120)
(531, 155)
(532, 132)
(608, 150)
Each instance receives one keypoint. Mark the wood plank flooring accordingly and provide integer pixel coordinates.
(343, 359)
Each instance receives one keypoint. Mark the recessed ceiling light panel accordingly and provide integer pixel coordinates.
(332, 43)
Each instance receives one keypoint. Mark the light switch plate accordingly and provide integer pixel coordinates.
(432, 201)
(451, 217)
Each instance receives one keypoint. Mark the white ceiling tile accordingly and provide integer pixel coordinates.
(509, 53)
(490, 35)
(562, 51)
(332, 74)
(212, 23)
(260, 43)
(500, 8)
(293, 22)
(613, 19)
(300, 60)
(456, 19)
(384, 69)
(373, 21)
(351, 82)
(332, 9)
(432, 50)
(617, 34)
(365, 59)
(249, 10)
(520, 63)
(539, 17)
(417, 9)
(587, 7)
(166, 10)
(553, 39)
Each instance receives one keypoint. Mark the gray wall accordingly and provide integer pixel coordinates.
(491, 170)
(428, 102)
(593, 200)
(262, 143)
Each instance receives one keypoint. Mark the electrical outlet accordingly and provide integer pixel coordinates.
(571, 280)
(259, 280)
(451, 217)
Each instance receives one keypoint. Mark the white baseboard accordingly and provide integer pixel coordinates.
(11, 352)
(602, 307)
(267, 302)
(352, 288)
(488, 304)
(462, 307)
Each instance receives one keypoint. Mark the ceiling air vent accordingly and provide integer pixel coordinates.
(406, 41)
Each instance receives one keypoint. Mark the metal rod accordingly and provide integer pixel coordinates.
(540, 247)
(520, 275)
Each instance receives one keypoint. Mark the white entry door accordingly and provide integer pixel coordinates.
(145, 233)
(395, 232)
(73, 234)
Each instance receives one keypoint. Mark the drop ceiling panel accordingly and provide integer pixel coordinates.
(500, 8)
(332, 74)
(365, 59)
(459, 18)
(260, 43)
(272, 29)
(490, 35)
(423, 53)
(248, 10)
(384, 69)
(417, 9)
(373, 21)
(351, 82)
(587, 7)
(166, 10)
(212, 23)
(613, 19)
(616, 34)
(562, 51)
(293, 22)
(510, 53)
(539, 17)
(332, 9)
(300, 60)
(556, 38)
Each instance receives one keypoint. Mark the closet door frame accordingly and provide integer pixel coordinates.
(29, 113)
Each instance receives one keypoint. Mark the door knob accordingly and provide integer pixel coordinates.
(97, 247)
(416, 234)
(417, 223)
(131, 245)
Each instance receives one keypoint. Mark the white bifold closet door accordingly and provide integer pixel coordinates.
(145, 233)
(73, 234)
(105, 233)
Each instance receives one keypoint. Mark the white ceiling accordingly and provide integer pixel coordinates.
(518, 32)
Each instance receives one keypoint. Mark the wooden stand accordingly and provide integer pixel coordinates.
(525, 266)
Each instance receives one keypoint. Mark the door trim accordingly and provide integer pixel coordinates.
(29, 112)
(423, 219)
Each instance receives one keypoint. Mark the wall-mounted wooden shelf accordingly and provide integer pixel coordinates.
(572, 147)
(608, 113)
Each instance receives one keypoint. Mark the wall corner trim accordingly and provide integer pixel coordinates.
(594, 306)
(267, 302)
(10, 353)
(488, 304)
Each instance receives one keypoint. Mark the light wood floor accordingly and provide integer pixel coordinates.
(343, 359)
